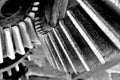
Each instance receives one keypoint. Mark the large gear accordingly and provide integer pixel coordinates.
(79, 38)
(17, 36)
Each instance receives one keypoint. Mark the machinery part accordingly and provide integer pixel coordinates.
(16, 38)
(79, 39)
(86, 40)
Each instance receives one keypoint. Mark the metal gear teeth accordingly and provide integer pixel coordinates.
(33, 11)
(35, 7)
(26, 39)
(9, 73)
(36, 3)
(1, 76)
(17, 39)
(17, 69)
(19, 79)
(37, 22)
(8, 70)
(32, 15)
(37, 18)
(30, 30)
(9, 44)
(39, 26)
(28, 58)
(1, 49)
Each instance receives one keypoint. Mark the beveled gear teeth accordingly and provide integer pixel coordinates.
(18, 41)
(1, 76)
(37, 18)
(9, 72)
(23, 63)
(30, 30)
(25, 37)
(15, 39)
(34, 9)
(17, 67)
(1, 49)
(37, 27)
(32, 15)
(19, 79)
(9, 44)
(36, 3)
(29, 58)
(37, 23)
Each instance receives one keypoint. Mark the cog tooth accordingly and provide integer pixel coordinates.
(19, 79)
(37, 22)
(18, 40)
(23, 63)
(17, 67)
(37, 26)
(32, 15)
(1, 50)
(9, 44)
(37, 18)
(34, 8)
(36, 3)
(25, 37)
(31, 31)
(29, 58)
(1, 76)
(9, 72)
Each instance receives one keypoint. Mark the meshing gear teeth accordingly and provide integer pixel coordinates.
(86, 40)
(18, 41)
(15, 43)
(9, 44)
(79, 40)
